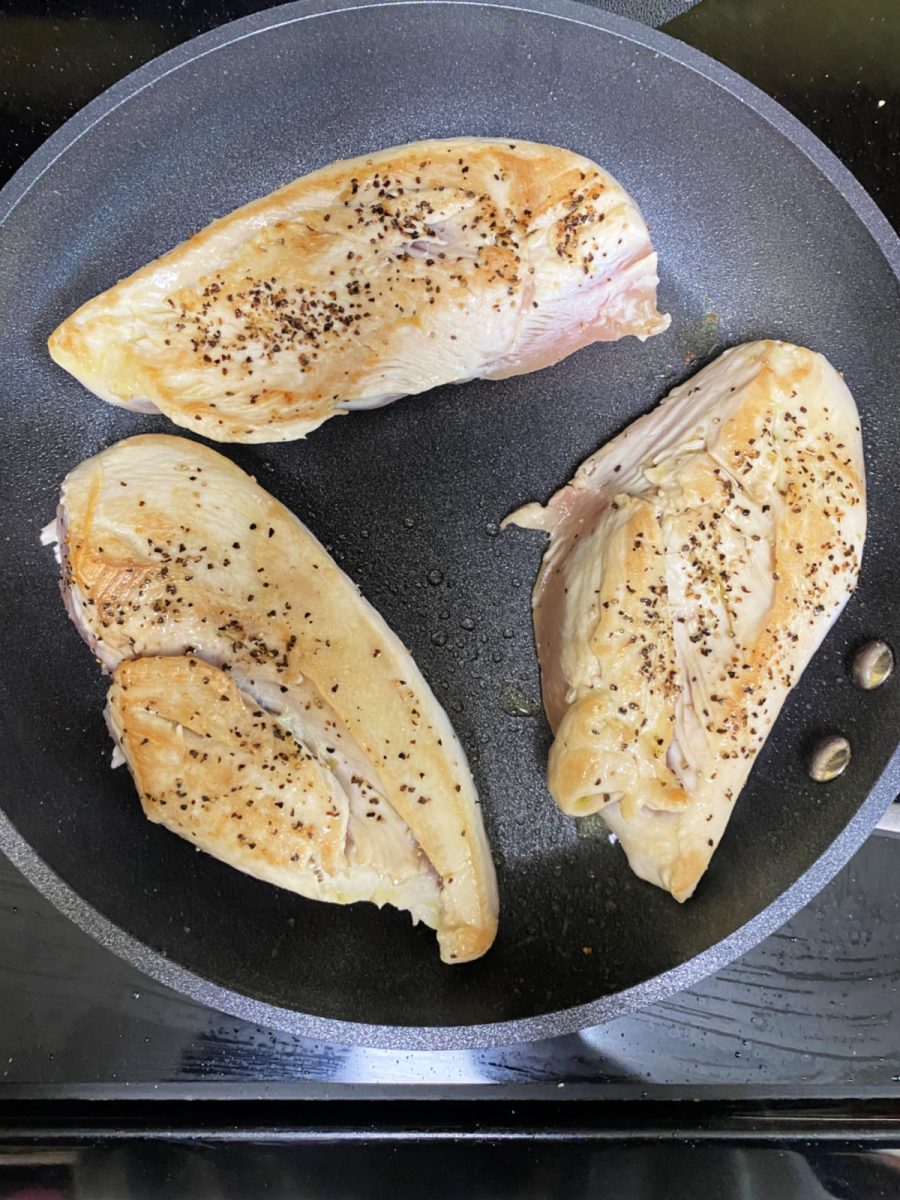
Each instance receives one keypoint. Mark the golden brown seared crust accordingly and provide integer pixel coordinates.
(612, 742)
(170, 549)
(369, 279)
(814, 465)
(222, 772)
(726, 532)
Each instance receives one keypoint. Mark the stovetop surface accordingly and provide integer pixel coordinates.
(811, 1014)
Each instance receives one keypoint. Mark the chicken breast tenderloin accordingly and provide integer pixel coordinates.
(432, 263)
(267, 712)
(695, 564)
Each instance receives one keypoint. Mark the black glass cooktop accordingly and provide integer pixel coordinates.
(805, 1029)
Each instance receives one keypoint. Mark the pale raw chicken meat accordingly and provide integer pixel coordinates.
(695, 564)
(266, 711)
(432, 263)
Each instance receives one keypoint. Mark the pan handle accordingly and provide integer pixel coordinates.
(889, 825)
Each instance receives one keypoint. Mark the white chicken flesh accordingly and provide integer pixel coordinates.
(266, 711)
(695, 564)
(368, 280)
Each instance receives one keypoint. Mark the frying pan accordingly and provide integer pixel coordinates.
(760, 232)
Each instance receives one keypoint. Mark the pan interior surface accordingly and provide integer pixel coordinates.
(754, 241)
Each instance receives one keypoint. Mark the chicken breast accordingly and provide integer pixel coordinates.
(265, 709)
(695, 563)
(426, 264)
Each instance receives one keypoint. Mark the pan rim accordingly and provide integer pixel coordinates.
(552, 1024)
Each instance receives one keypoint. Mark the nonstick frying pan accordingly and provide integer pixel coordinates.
(760, 232)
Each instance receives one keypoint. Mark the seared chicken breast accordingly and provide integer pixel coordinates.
(370, 279)
(694, 565)
(266, 711)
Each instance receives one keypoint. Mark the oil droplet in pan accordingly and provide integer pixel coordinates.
(515, 703)
(873, 665)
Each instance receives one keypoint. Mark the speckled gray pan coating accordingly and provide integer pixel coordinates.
(760, 232)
